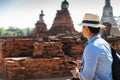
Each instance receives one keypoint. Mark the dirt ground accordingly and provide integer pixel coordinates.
(57, 78)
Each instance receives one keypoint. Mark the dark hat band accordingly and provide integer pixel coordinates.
(90, 22)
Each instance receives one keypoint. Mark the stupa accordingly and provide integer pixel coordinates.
(107, 15)
(41, 28)
(62, 22)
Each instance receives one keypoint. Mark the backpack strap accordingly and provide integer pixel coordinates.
(115, 55)
(113, 51)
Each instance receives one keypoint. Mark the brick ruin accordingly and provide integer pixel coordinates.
(40, 27)
(28, 58)
(61, 24)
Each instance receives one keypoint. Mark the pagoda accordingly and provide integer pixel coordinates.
(62, 22)
(40, 29)
(107, 15)
(109, 21)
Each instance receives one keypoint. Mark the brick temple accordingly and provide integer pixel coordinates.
(40, 27)
(45, 53)
(108, 17)
(62, 22)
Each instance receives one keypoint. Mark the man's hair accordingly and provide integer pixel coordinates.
(94, 30)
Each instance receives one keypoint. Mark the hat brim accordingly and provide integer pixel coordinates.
(92, 25)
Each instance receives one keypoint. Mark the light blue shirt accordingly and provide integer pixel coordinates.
(97, 60)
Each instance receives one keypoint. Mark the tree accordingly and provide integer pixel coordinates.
(2, 31)
(20, 32)
(14, 31)
(9, 33)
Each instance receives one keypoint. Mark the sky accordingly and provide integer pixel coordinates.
(25, 13)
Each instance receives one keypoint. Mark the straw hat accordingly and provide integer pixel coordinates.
(91, 20)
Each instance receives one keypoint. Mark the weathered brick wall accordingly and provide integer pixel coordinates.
(73, 49)
(30, 48)
(17, 47)
(48, 49)
(35, 68)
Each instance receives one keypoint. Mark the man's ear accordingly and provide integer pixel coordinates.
(87, 29)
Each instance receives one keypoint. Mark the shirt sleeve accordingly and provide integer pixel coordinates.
(90, 58)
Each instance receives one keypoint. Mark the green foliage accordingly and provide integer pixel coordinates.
(9, 33)
(2, 31)
(13, 31)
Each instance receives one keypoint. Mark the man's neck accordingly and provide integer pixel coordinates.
(91, 36)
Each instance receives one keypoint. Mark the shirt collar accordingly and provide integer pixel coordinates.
(93, 38)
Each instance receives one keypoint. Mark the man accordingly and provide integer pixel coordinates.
(97, 58)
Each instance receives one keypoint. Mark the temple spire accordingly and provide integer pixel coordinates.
(107, 2)
(65, 5)
(41, 16)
